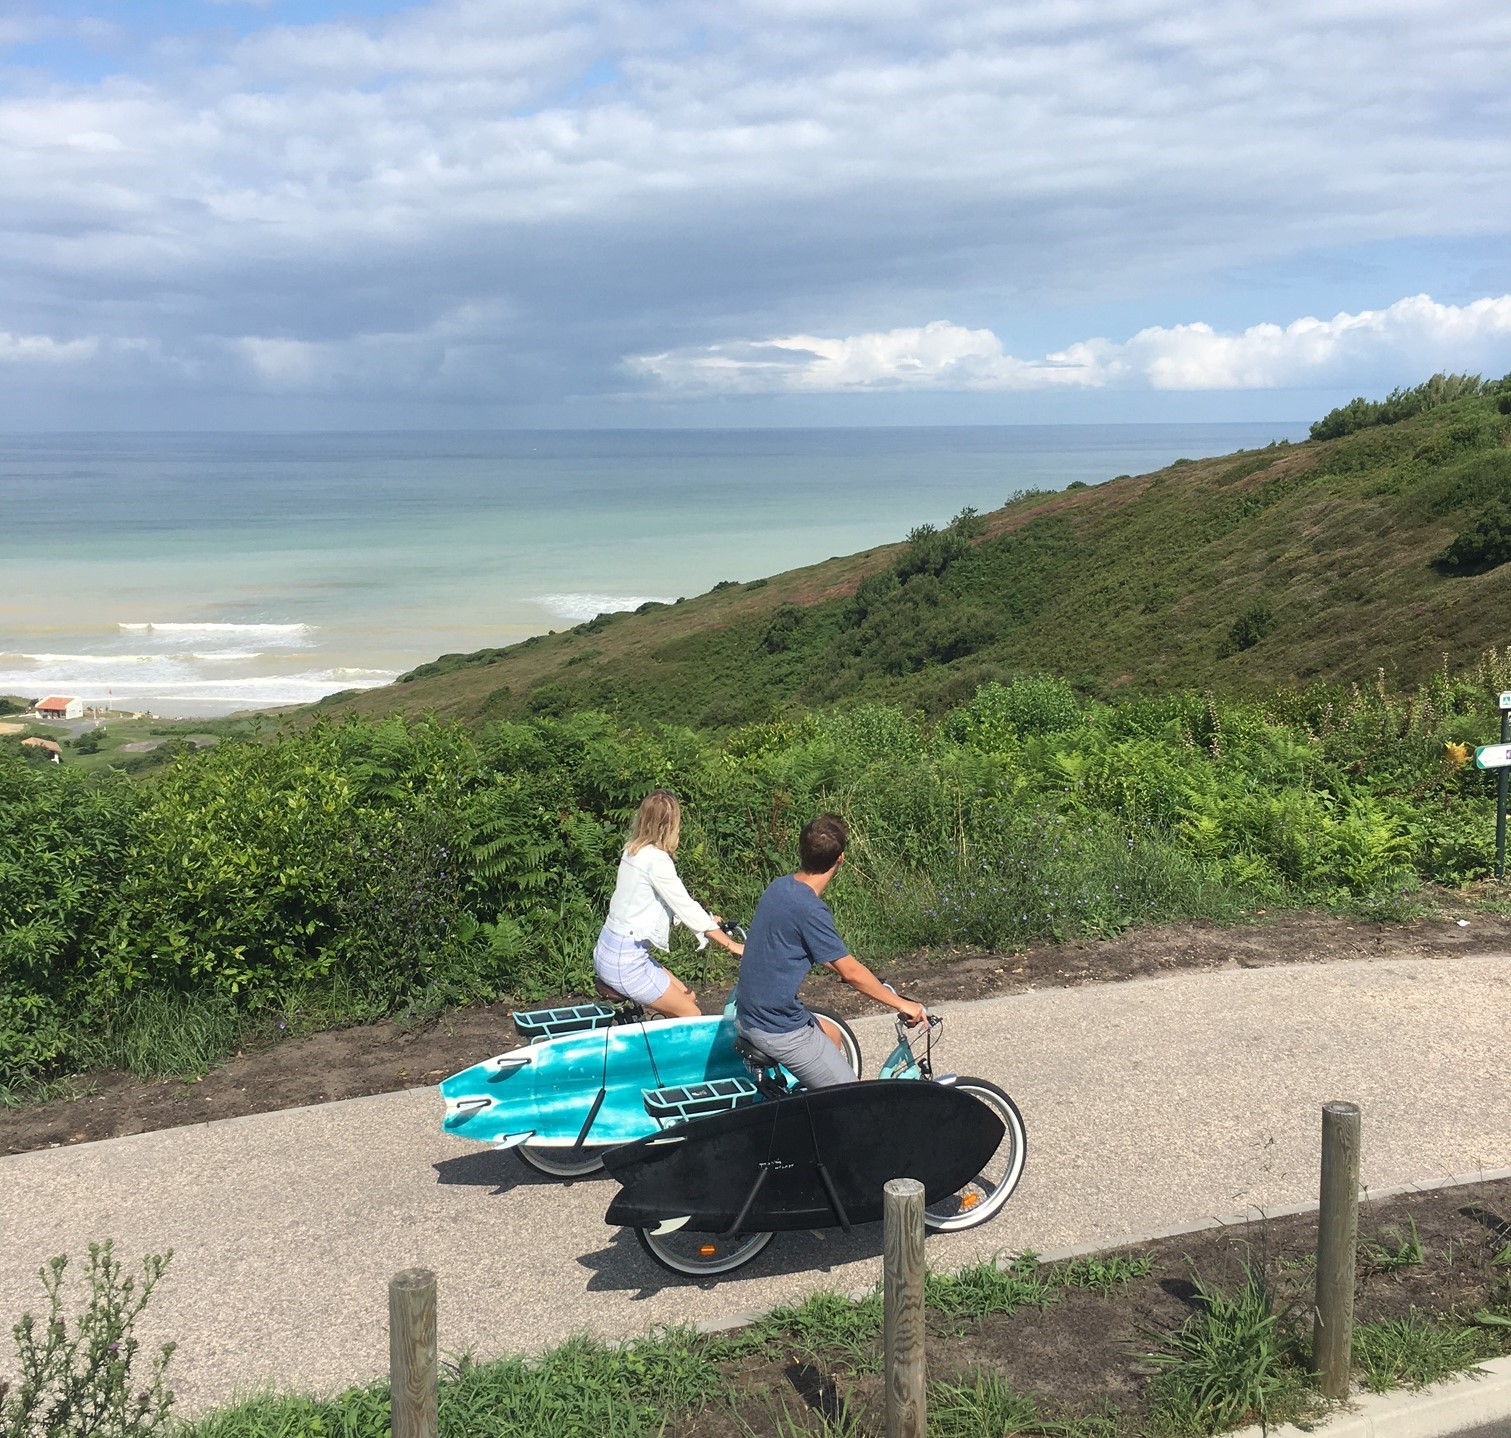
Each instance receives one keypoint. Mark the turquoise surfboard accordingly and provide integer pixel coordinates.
(548, 1093)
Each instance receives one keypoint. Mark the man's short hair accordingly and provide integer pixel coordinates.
(821, 843)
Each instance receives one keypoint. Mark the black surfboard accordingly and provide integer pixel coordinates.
(812, 1160)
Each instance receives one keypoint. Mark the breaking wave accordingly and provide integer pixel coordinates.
(579, 608)
(253, 631)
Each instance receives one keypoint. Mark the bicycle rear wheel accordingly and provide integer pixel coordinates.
(982, 1198)
(849, 1044)
(701, 1255)
(561, 1162)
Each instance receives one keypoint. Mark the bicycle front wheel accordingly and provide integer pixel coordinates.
(982, 1198)
(701, 1255)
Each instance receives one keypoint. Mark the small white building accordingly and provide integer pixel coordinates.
(59, 706)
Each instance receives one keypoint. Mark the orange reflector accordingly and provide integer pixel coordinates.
(707, 1251)
(970, 1201)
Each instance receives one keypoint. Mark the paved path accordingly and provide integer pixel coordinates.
(1148, 1104)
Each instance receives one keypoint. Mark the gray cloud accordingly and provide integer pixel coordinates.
(478, 199)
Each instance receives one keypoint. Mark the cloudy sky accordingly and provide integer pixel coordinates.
(365, 213)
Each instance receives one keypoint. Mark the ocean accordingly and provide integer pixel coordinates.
(199, 574)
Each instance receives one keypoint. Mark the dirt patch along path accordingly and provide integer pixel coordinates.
(1148, 1105)
(388, 1056)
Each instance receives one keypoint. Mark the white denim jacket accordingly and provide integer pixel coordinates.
(649, 895)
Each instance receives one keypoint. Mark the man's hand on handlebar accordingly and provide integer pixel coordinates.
(914, 1013)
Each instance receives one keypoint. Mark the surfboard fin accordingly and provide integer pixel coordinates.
(670, 1225)
(513, 1140)
(464, 1108)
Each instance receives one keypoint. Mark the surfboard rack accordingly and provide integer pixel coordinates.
(552, 1023)
(737, 1227)
(672, 1105)
(763, 1171)
(835, 1201)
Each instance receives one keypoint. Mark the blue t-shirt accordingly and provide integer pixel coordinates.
(791, 930)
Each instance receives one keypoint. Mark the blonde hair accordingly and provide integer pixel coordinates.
(658, 822)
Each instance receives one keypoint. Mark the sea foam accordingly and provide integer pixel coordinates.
(253, 631)
(182, 656)
(580, 607)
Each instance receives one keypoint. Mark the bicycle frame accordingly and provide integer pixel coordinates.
(905, 1062)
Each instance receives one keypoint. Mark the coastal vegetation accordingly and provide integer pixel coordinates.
(1267, 739)
(353, 869)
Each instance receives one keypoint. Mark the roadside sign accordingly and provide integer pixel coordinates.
(1493, 756)
(1505, 699)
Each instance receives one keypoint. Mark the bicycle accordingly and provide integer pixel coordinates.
(703, 1255)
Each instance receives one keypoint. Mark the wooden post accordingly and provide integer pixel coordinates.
(902, 1339)
(1337, 1248)
(1501, 792)
(412, 1353)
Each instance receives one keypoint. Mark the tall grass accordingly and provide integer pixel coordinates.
(1419, 1349)
(1230, 1363)
(582, 1389)
(158, 1033)
(1234, 1360)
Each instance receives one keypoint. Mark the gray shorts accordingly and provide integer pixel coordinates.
(806, 1053)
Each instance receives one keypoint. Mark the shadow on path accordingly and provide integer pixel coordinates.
(623, 1266)
(499, 1171)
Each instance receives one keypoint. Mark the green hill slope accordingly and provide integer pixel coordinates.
(1384, 546)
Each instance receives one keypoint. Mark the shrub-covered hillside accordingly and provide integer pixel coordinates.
(1382, 546)
(351, 870)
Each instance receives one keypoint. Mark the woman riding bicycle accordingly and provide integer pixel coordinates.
(647, 897)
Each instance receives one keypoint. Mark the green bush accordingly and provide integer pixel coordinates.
(1001, 714)
(1483, 546)
(1399, 404)
(63, 844)
(782, 630)
(931, 551)
(1248, 629)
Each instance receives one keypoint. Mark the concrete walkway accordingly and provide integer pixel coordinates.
(1148, 1104)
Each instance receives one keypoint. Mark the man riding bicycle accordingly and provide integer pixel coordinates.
(792, 930)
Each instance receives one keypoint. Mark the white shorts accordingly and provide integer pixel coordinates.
(627, 967)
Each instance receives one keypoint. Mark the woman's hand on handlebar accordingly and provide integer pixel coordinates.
(723, 935)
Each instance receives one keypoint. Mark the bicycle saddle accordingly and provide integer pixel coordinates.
(765, 1070)
(751, 1055)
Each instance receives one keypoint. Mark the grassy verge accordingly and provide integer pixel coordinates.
(399, 868)
(1190, 1337)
